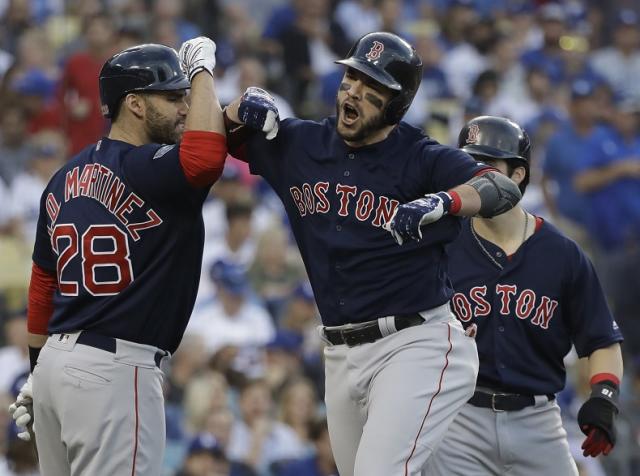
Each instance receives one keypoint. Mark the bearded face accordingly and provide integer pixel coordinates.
(165, 117)
(360, 106)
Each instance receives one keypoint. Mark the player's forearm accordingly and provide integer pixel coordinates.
(607, 360)
(595, 179)
(469, 200)
(205, 113)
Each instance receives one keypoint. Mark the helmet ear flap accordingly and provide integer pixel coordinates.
(397, 107)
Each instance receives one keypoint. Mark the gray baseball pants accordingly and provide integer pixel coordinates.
(96, 412)
(390, 402)
(527, 442)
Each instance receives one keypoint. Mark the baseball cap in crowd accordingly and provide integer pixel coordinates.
(286, 340)
(553, 12)
(582, 88)
(34, 83)
(230, 276)
(206, 443)
(627, 17)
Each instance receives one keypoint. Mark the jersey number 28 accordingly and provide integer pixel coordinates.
(117, 257)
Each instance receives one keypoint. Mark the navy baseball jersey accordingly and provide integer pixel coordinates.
(115, 222)
(529, 307)
(337, 199)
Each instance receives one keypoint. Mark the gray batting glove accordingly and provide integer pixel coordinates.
(198, 54)
(22, 410)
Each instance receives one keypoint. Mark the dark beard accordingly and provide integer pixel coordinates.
(160, 129)
(366, 129)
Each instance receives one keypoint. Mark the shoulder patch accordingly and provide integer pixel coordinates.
(163, 150)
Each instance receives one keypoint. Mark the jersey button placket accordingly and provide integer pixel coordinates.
(347, 173)
(351, 155)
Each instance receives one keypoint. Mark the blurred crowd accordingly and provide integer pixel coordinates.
(244, 390)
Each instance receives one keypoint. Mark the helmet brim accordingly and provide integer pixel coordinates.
(174, 84)
(491, 153)
(372, 71)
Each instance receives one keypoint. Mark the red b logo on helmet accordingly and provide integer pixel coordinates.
(375, 51)
(474, 132)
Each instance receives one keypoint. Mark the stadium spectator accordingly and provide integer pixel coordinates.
(621, 61)
(14, 151)
(232, 319)
(567, 153)
(78, 92)
(257, 438)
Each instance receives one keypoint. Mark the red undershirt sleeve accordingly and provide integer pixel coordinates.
(40, 309)
(202, 156)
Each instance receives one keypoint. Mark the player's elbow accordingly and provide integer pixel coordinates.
(498, 194)
(202, 157)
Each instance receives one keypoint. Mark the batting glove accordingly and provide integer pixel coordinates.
(22, 410)
(408, 218)
(258, 111)
(597, 417)
(198, 54)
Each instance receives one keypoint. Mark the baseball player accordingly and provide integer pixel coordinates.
(118, 225)
(532, 294)
(385, 308)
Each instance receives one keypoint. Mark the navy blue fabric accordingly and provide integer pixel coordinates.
(165, 258)
(337, 199)
(546, 298)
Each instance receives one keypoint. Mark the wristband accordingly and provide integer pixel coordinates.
(602, 377)
(606, 390)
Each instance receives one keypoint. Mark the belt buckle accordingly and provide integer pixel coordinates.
(350, 337)
(493, 401)
(343, 332)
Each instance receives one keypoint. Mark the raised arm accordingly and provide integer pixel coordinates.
(203, 148)
(254, 111)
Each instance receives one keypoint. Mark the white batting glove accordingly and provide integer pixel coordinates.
(22, 410)
(198, 54)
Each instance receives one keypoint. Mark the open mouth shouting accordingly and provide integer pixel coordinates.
(350, 114)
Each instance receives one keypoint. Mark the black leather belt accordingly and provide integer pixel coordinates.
(504, 402)
(369, 332)
(107, 343)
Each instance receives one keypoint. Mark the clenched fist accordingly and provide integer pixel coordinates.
(258, 111)
(198, 54)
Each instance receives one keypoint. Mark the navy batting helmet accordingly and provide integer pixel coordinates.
(491, 137)
(148, 67)
(392, 62)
